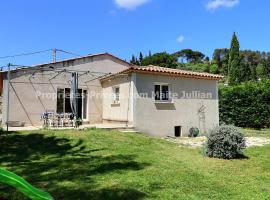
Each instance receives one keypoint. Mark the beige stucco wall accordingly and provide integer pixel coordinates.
(159, 119)
(25, 103)
(123, 111)
(138, 106)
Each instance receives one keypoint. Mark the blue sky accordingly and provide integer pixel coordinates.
(126, 27)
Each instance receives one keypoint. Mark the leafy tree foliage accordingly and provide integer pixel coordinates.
(257, 64)
(190, 55)
(134, 60)
(161, 59)
(234, 61)
(141, 58)
(238, 66)
(221, 58)
(266, 67)
(201, 67)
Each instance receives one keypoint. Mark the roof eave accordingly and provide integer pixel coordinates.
(134, 70)
(71, 59)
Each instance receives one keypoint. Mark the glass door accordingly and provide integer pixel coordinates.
(63, 102)
(82, 104)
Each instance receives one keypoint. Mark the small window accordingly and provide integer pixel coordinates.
(116, 93)
(162, 92)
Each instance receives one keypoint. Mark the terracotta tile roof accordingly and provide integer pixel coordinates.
(151, 69)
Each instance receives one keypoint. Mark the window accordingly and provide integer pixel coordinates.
(116, 92)
(162, 92)
(63, 102)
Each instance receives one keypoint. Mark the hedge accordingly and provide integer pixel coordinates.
(246, 105)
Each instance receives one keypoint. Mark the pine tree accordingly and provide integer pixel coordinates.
(234, 61)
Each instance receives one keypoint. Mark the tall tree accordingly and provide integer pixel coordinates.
(245, 68)
(221, 58)
(266, 67)
(141, 58)
(234, 61)
(133, 60)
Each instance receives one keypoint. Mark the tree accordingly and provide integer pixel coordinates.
(253, 60)
(141, 58)
(246, 74)
(161, 59)
(134, 60)
(234, 61)
(266, 66)
(221, 58)
(190, 56)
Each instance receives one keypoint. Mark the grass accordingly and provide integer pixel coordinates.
(99, 164)
(258, 133)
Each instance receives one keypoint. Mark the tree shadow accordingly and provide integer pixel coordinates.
(104, 194)
(16, 147)
(65, 168)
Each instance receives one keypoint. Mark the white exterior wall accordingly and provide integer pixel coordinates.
(159, 119)
(122, 111)
(26, 107)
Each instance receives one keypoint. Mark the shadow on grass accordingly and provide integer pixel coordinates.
(67, 169)
(242, 157)
(104, 194)
(16, 147)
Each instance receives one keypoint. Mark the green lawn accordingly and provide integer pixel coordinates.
(98, 164)
(259, 133)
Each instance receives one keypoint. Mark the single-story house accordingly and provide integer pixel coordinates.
(162, 101)
(154, 100)
(46, 87)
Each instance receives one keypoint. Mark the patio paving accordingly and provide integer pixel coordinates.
(85, 126)
(199, 141)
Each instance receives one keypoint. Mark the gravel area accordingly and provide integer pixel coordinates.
(198, 141)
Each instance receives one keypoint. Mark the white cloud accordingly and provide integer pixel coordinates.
(214, 4)
(180, 39)
(130, 4)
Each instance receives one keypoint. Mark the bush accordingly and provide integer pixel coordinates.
(2, 130)
(246, 105)
(225, 142)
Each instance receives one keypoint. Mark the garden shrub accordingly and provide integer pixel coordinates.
(246, 105)
(2, 130)
(225, 142)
